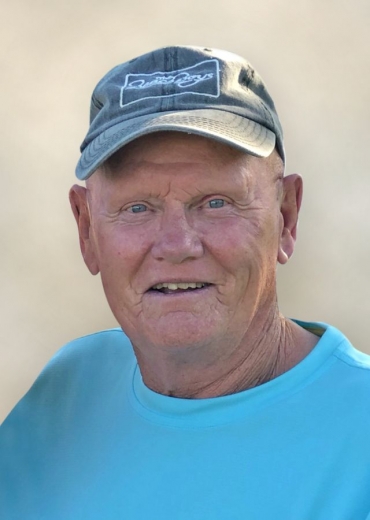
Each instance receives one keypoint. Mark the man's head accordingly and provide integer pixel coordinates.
(186, 230)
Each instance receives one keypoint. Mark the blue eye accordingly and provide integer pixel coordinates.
(137, 208)
(216, 203)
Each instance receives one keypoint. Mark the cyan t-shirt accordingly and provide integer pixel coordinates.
(90, 441)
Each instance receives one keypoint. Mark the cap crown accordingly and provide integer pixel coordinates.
(177, 80)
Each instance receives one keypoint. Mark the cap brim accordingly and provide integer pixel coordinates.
(226, 127)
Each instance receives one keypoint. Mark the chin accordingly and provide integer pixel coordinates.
(188, 332)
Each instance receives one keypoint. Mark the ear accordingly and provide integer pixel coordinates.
(81, 212)
(290, 206)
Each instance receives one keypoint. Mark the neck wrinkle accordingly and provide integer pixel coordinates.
(271, 346)
(281, 347)
(263, 359)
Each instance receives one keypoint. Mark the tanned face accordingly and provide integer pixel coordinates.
(186, 233)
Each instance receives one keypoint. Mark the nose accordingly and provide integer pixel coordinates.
(177, 240)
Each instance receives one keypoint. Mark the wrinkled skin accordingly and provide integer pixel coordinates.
(177, 207)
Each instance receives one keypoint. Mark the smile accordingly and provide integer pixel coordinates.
(172, 287)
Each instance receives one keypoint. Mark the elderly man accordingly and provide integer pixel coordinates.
(210, 404)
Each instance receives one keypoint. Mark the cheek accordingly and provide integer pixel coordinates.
(117, 243)
(236, 242)
(246, 249)
(120, 254)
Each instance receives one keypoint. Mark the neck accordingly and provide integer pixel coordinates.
(266, 351)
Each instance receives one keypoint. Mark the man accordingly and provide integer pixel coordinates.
(210, 404)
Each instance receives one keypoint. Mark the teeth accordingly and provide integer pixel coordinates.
(180, 285)
(191, 285)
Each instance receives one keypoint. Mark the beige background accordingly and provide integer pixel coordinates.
(315, 57)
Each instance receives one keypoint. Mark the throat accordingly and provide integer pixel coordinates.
(257, 359)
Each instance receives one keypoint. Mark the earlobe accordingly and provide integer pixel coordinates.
(290, 206)
(282, 255)
(80, 209)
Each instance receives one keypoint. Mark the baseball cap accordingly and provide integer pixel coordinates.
(195, 90)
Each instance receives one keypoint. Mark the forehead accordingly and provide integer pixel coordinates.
(162, 147)
(189, 158)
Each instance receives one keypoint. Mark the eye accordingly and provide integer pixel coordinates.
(216, 203)
(137, 208)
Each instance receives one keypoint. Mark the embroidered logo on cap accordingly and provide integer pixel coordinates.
(201, 79)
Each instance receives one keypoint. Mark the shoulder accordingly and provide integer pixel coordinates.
(83, 368)
(91, 355)
(354, 370)
(95, 344)
(345, 369)
(79, 393)
(337, 344)
(104, 345)
(345, 352)
(343, 374)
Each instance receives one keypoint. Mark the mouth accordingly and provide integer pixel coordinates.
(178, 287)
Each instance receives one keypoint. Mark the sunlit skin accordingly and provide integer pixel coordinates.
(173, 207)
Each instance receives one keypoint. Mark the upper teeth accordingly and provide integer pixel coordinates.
(174, 286)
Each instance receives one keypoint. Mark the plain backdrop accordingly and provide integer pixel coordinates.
(315, 58)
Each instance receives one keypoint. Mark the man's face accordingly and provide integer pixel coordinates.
(179, 209)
